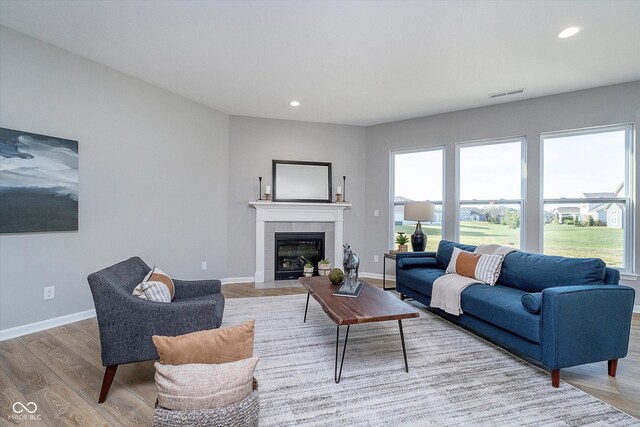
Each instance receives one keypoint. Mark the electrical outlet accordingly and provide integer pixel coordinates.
(204, 265)
(376, 258)
(376, 212)
(49, 292)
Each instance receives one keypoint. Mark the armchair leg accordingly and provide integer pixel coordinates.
(402, 297)
(613, 366)
(555, 378)
(109, 373)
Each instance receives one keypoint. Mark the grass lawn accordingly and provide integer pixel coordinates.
(565, 240)
(585, 242)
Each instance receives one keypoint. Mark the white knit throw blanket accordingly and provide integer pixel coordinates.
(447, 289)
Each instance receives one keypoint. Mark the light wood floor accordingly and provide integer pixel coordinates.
(60, 370)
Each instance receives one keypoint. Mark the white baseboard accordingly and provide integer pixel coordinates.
(227, 280)
(636, 309)
(19, 331)
(376, 276)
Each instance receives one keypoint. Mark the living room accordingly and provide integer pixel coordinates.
(178, 110)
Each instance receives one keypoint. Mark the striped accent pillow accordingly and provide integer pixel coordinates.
(482, 267)
(157, 275)
(153, 291)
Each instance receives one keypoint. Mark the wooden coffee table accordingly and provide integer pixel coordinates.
(372, 305)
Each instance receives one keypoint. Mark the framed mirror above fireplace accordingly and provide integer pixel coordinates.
(298, 181)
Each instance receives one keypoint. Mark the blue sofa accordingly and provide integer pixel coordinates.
(558, 311)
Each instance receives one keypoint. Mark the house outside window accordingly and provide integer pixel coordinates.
(418, 175)
(613, 217)
(490, 184)
(586, 194)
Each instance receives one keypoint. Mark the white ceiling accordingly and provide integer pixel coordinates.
(350, 62)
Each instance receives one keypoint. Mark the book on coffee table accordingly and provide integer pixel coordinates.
(348, 290)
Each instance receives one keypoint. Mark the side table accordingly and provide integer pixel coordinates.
(391, 256)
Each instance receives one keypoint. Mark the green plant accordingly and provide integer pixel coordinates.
(325, 261)
(402, 239)
(308, 265)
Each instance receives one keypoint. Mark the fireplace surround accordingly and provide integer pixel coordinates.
(295, 216)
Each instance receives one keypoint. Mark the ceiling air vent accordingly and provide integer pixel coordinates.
(507, 93)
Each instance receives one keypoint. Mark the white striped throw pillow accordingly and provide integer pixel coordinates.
(153, 291)
(482, 267)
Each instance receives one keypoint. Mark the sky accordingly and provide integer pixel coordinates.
(418, 176)
(584, 164)
(572, 165)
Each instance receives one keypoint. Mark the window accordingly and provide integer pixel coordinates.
(490, 182)
(586, 191)
(418, 175)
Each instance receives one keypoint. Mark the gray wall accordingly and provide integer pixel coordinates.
(601, 106)
(255, 142)
(153, 178)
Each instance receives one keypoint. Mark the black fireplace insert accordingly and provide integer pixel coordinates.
(294, 250)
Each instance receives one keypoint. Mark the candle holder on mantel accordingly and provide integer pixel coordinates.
(260, 191)
(344, 188)
(339, 198)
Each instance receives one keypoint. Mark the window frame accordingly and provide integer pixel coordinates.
(392, 186)
(628, 222)
(523, 182)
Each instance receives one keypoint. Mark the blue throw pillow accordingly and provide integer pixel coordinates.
(532, 302)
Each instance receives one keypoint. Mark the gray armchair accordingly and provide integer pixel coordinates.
(126, 322)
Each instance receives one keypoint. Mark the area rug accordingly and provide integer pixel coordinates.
(455, 378)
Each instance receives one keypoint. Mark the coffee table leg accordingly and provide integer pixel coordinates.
(404, 349)
(306, 308)
(337, 375)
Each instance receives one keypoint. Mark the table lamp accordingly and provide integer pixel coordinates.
(418, 211)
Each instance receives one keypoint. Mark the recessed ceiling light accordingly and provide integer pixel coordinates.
(295, 103)
(569, 31)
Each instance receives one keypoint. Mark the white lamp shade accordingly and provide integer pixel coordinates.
(419, 211)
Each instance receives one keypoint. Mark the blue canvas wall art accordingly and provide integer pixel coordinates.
(38, 183)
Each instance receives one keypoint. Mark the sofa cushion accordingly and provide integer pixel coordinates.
(501, 306)
(535, 272)
(445, 250)
(532, 302)
(420, 279)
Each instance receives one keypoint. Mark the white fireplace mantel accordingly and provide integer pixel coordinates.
(296, 212)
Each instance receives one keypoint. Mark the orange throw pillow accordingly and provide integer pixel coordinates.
(220, 345)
